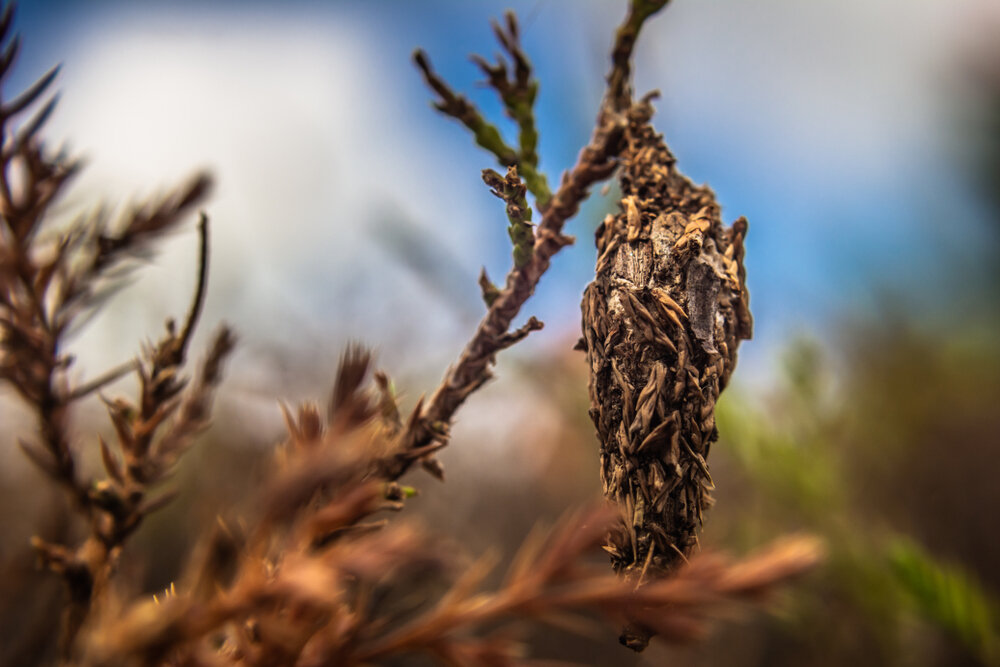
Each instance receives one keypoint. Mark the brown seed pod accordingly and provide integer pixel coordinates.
(661, 324)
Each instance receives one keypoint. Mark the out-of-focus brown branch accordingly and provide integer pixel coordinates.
(311, 582)
(48, 282)
(107, 378)
(552, 577)
(199, 294)
(296, 600)
(147, 450)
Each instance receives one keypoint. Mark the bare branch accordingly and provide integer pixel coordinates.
(199, 293)
(596, 162)
(107, 378)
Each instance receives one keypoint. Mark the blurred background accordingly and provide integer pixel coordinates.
(860, 139)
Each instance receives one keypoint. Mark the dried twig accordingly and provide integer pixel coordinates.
(619, 95)
(103, 380)
(551, 577)
(301, 605)
(597, 161)
(46, 285)
(118, 504)
(661, 325)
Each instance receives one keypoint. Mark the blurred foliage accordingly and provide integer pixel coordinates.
(947, 596)
(852, 455)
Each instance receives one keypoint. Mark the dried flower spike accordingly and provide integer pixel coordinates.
(661, 324)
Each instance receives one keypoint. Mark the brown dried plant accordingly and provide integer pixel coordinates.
(311, 580)
(305, 576)
(661, 322)
(50, 278)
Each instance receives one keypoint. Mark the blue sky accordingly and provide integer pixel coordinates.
(833, 126)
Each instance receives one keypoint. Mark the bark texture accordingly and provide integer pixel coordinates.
(661, 324)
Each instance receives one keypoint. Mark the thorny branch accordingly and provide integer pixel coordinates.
(597, 161)
(458, 107)
(512, 191)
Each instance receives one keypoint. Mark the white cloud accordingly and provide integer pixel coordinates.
(305, 134)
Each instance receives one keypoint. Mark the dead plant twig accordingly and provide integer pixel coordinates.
(48, 281)
(597, 161)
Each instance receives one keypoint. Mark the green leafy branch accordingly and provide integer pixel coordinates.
(517, 89)
(512, 190)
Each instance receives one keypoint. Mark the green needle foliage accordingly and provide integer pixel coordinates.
(518, 89)
(512, 190)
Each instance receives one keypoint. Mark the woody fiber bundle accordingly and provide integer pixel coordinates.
(661, 324)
